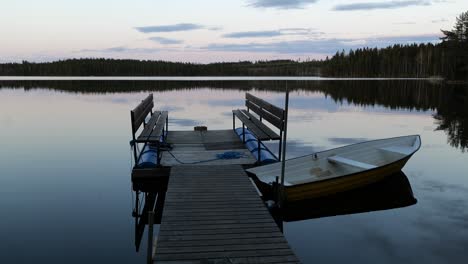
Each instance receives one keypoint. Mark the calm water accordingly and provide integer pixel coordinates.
(65, 189)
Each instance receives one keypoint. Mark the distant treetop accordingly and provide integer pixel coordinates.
(459, 33)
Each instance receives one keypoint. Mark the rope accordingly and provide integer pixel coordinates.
(222, 156)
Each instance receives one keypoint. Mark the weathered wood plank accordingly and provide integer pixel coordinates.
(149, 127)
(277, 111)
(159, 127)
(259, 134)
(213, 213)
(139, 119)
(224, 242)
(189, 233)
(221, 248)
(218, 236)
(288, 259)
(141, 111)
(224, 254)
(261, 125)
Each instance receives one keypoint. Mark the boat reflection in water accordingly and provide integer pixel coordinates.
(392, 192)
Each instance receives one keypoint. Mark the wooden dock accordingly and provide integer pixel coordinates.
(213, 214)
(212, 211)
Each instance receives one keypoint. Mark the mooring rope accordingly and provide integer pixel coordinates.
(222, 156)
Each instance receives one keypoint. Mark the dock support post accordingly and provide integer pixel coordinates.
(233, 122)
(283, 156)
(149, 258)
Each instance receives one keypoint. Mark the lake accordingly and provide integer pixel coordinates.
(65, 164)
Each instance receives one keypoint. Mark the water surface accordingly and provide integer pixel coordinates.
(65, 189)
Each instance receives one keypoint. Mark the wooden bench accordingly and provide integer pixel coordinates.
(153, 130)
(265, 111)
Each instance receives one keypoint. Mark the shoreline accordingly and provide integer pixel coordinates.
(204, 78)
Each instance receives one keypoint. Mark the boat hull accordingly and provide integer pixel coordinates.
(336, 185)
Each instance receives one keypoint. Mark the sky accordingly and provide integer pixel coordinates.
(206, 31)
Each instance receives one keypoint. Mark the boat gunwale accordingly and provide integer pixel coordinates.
(406, 156)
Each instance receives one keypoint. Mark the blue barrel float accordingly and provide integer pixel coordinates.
(251, 142)
(149, 155)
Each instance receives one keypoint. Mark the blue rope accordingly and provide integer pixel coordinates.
(230, 155)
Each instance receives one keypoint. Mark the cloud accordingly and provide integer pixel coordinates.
(405, 23)
(324, 46)
(272, 33)
(166, 41)
(281, 4)
(253, 34)
(170, 28)
(439, 20)
(122, 49)
(380, 5)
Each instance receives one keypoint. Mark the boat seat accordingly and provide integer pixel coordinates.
(399, 150)
(350, 162)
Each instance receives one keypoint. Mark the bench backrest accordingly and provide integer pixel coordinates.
(138, 115)
(265, 110)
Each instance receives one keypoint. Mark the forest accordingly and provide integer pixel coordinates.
(447, 59)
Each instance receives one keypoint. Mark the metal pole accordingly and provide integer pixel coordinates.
(283, 155)
(149, 257)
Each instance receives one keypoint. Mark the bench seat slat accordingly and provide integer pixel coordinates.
(158, 129)
(153, 130)
(259, 134)
(270, 133)
(149, 127)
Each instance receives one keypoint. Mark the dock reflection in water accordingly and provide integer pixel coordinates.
(392, 192)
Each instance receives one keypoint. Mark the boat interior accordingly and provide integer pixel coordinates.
(340, 161)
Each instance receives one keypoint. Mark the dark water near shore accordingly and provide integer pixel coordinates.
(65, 189)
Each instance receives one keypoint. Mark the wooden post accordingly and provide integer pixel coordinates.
(243, 133)
(233, 122)
(132, 119)
(283, 155)
(280, 144)
(167, 126)
(149, 258)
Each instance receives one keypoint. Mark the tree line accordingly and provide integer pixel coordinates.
(118, 67)
(447, 59)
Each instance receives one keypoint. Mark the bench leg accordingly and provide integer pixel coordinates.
(167, 126)
(243, 133)
(135, 155)
(233, 122)
(158, 159)
(280, 145)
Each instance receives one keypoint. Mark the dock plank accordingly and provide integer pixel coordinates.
(213, 214)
